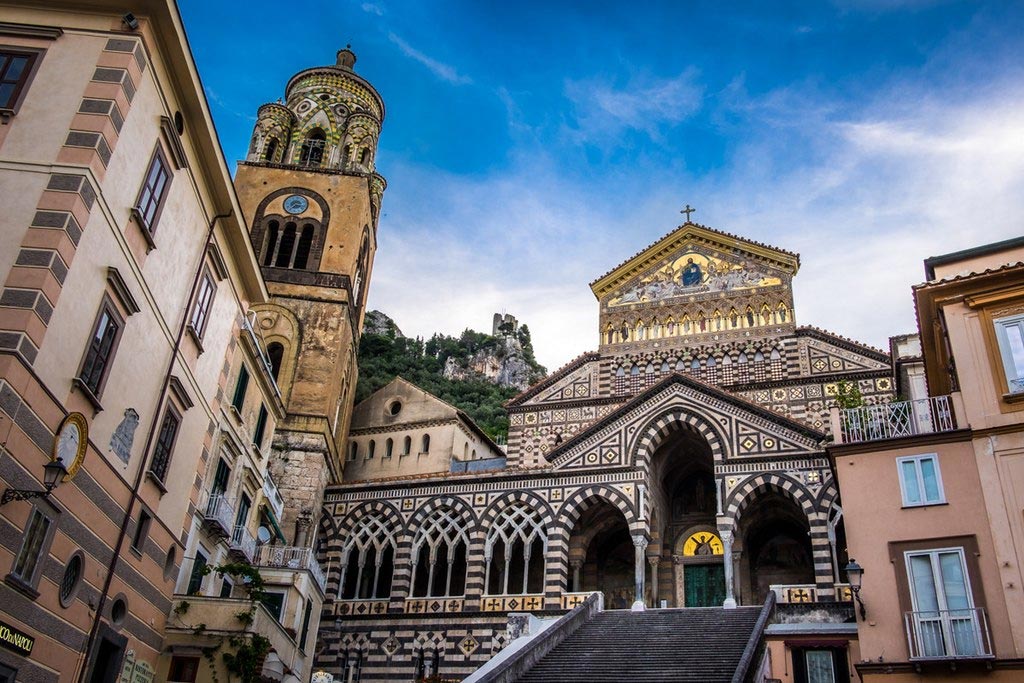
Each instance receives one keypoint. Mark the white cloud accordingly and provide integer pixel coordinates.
(645, 104)
(439, 69)
(864, 197)
(371, 8)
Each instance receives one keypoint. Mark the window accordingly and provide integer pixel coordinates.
(303, 248)
(389, 447)
(220, 478)
(100, 352)
(201, 312)
(820, 664)
(238, 400)
(261, 427)
(1010, 335)
(514, 552)
(183, 669)
(154, 192)
(141, 531)
(34, 545)
(305, 625)
(165, 444)
(353, 450)
(371, 449)
(195, 577)
(367, 560)
(920, 480)
(15, 70)
(274, 602)
(271, 150)
(275, 352)
(426, 444)
(312, 151)
(407, 449)
(944, 622)
(71, 580)
(439, 556)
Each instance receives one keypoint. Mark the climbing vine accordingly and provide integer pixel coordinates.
(247, 650)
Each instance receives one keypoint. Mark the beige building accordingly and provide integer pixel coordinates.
(128, 274)
(931, 486)
(401, 430)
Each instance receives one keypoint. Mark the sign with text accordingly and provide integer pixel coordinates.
(15, 640)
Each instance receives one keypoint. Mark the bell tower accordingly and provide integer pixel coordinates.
(312, 196)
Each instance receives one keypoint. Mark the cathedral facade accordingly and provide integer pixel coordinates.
(681, 464)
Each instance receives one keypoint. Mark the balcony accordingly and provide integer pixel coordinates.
(218, 514)
(289, 557)
(243, 543)
(896, 420)
(273, 495)
(948, 634)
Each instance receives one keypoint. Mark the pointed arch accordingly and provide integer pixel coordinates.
(584, 498)
(740, 498)
(657, 429)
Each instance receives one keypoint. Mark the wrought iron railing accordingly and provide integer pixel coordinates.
(219, 510)
(948, 634)
(897, 419)
(290, 557)
(243, 542)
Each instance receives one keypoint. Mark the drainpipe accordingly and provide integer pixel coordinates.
(123, 533)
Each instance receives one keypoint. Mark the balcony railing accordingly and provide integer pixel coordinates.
(289, 557)
(898, 419)
(219, 512)
(948, 634)
(273, 495)
(243, 543)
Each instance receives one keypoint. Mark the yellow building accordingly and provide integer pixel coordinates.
(932, 486)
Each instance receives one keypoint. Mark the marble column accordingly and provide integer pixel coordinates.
(576, 566)
(678, 577)
(653, 561)
(640, 547)
(730, 598)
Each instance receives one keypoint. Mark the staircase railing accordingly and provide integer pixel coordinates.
(522, 660)
(754, 643)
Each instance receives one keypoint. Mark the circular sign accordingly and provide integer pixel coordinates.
(70, 442)
(296, 204)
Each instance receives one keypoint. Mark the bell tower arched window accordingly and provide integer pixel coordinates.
(275, 353)
(304, 246)
(273, 234)
(270, 149)
(312, 151)
(287, 245)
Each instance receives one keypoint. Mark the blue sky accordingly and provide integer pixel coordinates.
(531, 147)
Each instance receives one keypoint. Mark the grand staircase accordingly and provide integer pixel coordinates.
(695, 645)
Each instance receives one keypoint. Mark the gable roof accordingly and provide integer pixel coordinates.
(698, 385)
(545, 382)
(842, 342)
(787, 260)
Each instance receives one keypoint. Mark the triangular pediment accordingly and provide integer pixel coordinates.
(743, 430)
(691, 260)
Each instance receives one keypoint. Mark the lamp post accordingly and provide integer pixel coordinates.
(855, 573)
(53, 474)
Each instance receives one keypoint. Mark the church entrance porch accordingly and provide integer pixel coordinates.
(601, 555)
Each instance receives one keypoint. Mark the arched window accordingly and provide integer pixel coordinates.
(353, 450)
(695, 365)
(371, 449)
(270, 149)
(305, 244)
(273, 229)
(758, 357)
(389, 447)
(367, 560)
(284, 250)
(439, 556)
(514, 552)
(275, 354)
(711, 362)
(634, 371)
(776, 355)
(426, 444)
(465, 450)
(726, 360)
(408, 446)
(364, 158)
(742, 358)
(346, 154)
(312, 151)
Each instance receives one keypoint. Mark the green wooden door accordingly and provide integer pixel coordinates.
(704, 585)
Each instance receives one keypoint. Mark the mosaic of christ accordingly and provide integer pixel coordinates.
(695, 273)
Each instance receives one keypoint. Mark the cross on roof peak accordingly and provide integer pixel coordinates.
(688, 210)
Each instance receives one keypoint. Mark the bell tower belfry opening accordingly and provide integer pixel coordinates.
(312, 197)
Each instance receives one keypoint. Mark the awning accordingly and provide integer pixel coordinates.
(269, 515)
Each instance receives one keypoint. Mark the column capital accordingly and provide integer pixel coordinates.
(640, 541)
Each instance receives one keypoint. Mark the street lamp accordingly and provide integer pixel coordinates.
(53, 474)
(855, 573)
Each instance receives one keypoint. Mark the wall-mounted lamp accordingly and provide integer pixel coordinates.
(53, 474)
(855, 573)
(130, 21)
